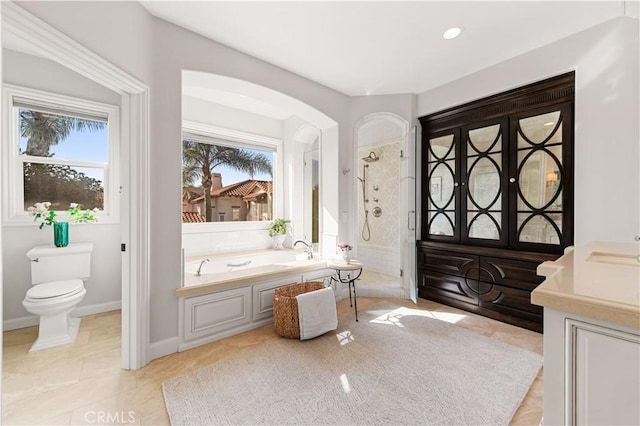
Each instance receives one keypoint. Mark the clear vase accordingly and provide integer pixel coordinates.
(61, 234)
(345, 256)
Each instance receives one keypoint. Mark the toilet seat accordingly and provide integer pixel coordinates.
(54, 290)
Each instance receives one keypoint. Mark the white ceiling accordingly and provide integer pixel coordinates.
(364, 48)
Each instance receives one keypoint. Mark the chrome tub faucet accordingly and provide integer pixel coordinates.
(308, 248)
(200, 267)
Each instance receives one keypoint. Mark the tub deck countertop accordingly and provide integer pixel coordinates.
(207, 283)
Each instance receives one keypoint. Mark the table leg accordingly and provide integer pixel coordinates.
(355, 297)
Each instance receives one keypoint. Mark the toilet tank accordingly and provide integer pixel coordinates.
(50, 263)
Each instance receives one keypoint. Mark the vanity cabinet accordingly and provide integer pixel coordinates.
(497, 198)
(591, 371)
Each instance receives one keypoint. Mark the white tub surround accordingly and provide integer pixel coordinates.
(591, 301)
(231, 296)
(219, 272)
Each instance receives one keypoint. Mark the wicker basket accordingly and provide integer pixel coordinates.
(285, 307)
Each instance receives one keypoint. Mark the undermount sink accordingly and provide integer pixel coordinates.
(614, 258)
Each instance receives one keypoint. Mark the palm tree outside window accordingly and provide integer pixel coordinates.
(59, 149)
(226, 180)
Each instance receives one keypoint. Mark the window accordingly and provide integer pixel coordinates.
(228, 175)
(58, 149)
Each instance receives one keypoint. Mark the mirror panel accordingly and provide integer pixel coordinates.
(442, 147)
(483, 226)
(441, 224)
(485, 139)
(539, 229)
(538, 128)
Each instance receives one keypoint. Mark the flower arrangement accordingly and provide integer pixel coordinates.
(278, 227)
(342, 247)
(49, 217)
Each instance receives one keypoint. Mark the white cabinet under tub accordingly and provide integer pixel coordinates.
(214, 313)
(218, 314)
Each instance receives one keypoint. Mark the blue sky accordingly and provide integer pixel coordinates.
(93, 146)
(87, 146)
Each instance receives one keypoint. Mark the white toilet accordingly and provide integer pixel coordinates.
(57, 275)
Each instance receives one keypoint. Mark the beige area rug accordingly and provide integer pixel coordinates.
(393, 367)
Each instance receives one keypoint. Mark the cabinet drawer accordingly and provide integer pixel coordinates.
(447, 262)
(511, 301)
(512, 273)
(443, 287)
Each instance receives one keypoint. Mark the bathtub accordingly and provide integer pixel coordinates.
(234, 292)
(238, 269)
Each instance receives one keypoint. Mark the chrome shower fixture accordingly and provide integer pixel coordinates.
(371, 157)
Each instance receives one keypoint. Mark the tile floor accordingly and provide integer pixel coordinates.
(82, 383)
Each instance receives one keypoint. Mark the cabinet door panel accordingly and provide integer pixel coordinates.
(512, 273)
(441, 157)
(442, 287)
(447, 262)
(510, 301)
(484, 183)
(541, 164)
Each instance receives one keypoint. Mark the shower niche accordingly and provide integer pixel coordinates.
(497, 199)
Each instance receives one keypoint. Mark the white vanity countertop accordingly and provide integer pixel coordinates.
(600, 280)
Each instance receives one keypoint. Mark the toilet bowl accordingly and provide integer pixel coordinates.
(57, 276)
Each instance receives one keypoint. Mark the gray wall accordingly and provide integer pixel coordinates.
(104, 285)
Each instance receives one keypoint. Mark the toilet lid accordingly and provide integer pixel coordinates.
(55, 289)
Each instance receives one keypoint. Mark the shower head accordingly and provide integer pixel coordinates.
(371, 157)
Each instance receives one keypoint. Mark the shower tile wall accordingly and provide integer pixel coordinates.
(385, 238)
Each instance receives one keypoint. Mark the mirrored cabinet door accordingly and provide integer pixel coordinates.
(442, 186)
(483, 183)
(540, 181)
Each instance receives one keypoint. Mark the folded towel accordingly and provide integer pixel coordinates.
(317, 313)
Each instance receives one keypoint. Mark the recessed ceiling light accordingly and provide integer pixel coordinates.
(451, 33)
(243, 96)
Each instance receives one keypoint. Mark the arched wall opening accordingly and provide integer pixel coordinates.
(300, 127)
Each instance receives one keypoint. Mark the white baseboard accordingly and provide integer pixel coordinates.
(22, 322)
(82, 311)
(212, 338)
(163, 348)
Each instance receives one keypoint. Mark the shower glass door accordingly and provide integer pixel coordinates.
(408, 186)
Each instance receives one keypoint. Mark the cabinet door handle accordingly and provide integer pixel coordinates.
(637, 238)
(512, 180)
(456, 184)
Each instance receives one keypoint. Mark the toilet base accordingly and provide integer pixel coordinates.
(56, 330)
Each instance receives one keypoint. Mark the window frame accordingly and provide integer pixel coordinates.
(240, 139)
(13, 213)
